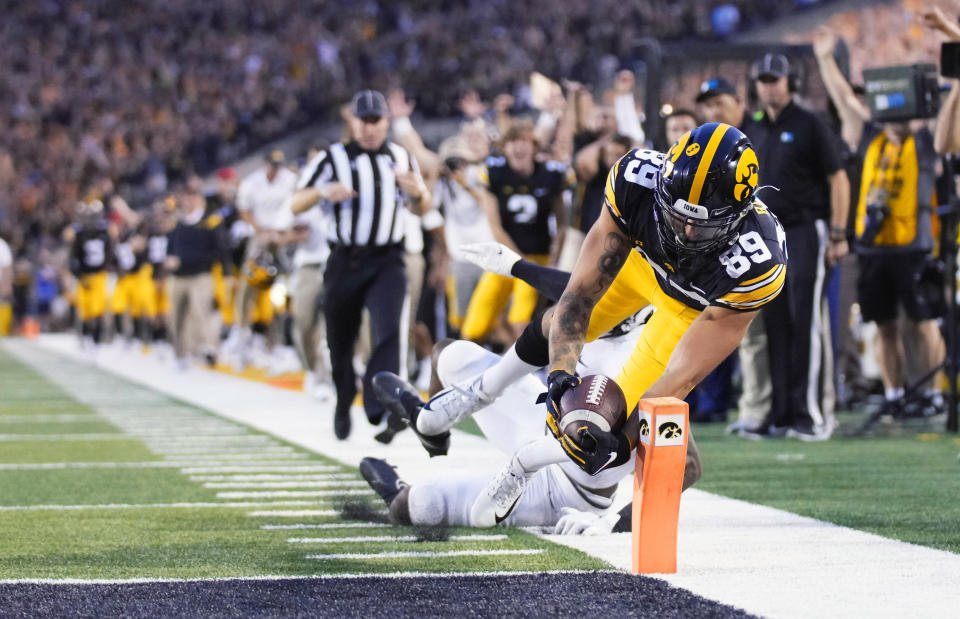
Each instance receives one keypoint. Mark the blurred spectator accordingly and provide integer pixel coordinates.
(678, 122)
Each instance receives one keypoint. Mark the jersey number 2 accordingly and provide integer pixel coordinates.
(749, 247)
(524, 206)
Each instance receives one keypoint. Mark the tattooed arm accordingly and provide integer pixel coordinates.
(603, 253)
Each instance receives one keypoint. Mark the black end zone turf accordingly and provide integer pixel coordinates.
(554, 595)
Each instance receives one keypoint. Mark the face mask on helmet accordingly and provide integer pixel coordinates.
(687, 227)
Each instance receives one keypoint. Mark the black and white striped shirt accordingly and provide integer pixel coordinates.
(374, 218)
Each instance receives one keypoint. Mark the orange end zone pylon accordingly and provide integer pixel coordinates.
(657, 484)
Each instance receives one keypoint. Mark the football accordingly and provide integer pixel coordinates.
(597, 401)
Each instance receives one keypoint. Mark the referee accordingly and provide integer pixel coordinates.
(363, 186)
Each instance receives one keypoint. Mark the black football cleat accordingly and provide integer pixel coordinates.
(341, 422)
(382, 478)
(395, 425)
(403, 401)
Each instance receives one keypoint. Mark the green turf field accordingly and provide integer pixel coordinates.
(904, 486)
(116, 487)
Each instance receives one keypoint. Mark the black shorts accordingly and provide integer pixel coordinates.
(889, 280)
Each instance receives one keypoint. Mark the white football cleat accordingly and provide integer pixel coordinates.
(491, 256)
(450, 405)
(501, 495)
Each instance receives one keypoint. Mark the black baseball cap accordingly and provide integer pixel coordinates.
(771, 65)
(715, 86)
(368, 103)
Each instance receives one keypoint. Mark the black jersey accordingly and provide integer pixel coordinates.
(157, 253)
(526, 203)
(741, 276)
(92, 250)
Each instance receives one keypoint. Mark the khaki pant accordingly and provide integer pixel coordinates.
(191, 300)
(309, 328)
(754, 402)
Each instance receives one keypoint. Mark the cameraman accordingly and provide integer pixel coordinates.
(893, 227)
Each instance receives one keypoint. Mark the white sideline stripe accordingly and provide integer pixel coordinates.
(26, 508)
(199, 470)
(51, 418)
(335, 525)
(274, 577)
(411, 554)
(238, 456)
(50, 438)
(286, 484)
(295, 513)
(391, 538)
(271, 477)
(290, 493)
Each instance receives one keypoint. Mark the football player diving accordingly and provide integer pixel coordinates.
(682, 231)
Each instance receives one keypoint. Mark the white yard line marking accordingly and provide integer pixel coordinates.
(291, 493)
(41, 466)
(26, 508)
(334, 525)
(392, 538)
(286, 484)
(319, 468)
(238, 456)
(272, 477)
(186, 451)
(295, 513)
(412, 554)
(52, 418)
(274, 577)
(49, 438)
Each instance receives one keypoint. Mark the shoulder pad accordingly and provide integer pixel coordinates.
(631, 177)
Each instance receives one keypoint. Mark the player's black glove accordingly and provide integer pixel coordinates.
(558, 382)
(595, 450)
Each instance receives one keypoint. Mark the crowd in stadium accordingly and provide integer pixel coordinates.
(119, 128)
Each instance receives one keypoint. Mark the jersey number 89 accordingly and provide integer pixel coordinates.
(749, 247)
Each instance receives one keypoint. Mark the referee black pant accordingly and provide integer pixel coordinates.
(794, 326)
(376, 279)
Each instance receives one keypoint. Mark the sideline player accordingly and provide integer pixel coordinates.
(707, 255)
(91, 255)
(519, 196)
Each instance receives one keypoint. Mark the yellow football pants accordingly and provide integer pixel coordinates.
(224, 298)
(491, 296)
(133, 292)
(157, 301)
(262, 311)
(92, 295)
(635, 287)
